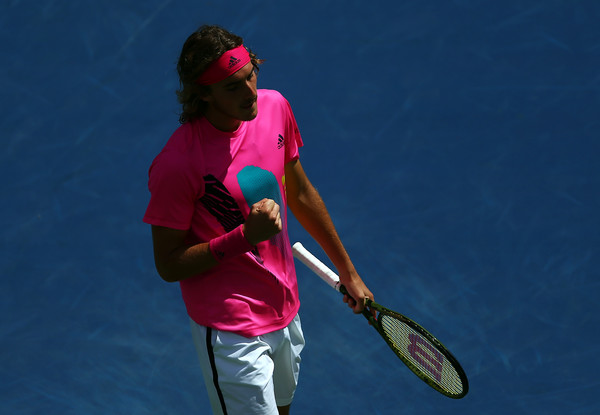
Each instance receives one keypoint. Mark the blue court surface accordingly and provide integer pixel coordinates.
(454, 141)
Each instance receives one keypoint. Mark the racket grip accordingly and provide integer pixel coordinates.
(319, 268)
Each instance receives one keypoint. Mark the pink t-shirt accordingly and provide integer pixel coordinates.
(206, 180)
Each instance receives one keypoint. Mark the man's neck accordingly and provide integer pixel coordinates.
(222, 122)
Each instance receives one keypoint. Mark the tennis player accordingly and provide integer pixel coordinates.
(220, 189)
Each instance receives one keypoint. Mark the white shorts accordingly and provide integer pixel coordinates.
(249, 375)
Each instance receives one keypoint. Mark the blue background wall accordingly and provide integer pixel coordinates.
(455, 143)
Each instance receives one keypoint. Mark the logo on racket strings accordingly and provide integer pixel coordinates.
(426, 355)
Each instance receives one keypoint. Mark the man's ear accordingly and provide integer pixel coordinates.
(206, 94)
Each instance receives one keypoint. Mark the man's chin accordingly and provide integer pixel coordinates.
(251, 116)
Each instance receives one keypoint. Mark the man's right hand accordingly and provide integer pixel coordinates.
(263, 222)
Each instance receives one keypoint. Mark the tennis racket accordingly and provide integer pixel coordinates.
(415, 346)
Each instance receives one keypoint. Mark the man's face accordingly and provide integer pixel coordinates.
(233, 100)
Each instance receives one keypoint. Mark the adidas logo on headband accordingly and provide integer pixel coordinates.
(232, 62)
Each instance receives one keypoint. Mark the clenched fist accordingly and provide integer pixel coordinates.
(263, 222)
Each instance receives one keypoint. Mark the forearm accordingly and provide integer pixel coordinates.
(185, 262)
(176, 260)
(310, 211)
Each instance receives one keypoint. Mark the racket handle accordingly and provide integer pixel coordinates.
(319, 268)
(329, 277)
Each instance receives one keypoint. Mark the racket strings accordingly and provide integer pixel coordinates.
(421, 355)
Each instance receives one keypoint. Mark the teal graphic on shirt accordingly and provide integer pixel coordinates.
(257, 184)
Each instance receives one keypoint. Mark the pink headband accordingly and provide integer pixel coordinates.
(229, 63)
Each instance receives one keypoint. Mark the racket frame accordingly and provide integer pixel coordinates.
(333, 280)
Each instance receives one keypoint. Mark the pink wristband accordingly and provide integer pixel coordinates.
(230, 245)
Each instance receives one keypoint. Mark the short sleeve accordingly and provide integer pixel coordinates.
(174, 190)
(292, 136)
